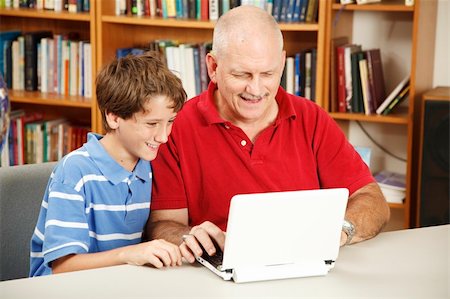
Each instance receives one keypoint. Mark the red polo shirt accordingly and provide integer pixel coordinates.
(207, 160)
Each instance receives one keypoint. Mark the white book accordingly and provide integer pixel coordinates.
(365, 85)
(190, 72)
(44, 64)
(15, 65)
(64, 66)
(51, 65)
(19, 141)
(392, 95)
(181, 58)
(214, 10)
(308, 72)
(80, 71)
(21, 83)
(49, 4)
(87, 70)
(290, 75)
(58, 5)
(73, 68)
(367, 1)
(152, 8)
(409, 2)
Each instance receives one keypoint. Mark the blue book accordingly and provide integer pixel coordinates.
(303, 6)
(290, 11)
(297, 74)
(4, 37)
(296, 16)
(276, 10)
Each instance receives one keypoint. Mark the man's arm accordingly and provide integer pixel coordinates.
(369, 212)
(172, 225)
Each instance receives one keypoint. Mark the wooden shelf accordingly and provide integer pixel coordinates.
(401, 119)
(390, 6)
(396, 205)
(45, 14)
(50, 99)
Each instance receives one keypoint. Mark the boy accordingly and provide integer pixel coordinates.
(97, 200)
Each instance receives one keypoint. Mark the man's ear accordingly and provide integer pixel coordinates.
(211, 65)
(112, 120)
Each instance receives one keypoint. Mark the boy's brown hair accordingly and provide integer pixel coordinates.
(126, 84)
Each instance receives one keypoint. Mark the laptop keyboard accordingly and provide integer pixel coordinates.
(215, 260)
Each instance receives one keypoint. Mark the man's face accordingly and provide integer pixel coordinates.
(248, 77)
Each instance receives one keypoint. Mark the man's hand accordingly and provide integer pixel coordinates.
(205, 234)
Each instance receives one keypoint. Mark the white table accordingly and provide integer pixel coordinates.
(403, 264)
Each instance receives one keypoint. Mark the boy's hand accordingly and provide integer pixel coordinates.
(158, 253)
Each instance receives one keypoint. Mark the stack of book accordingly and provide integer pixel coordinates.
(393, 185)
(398, 95)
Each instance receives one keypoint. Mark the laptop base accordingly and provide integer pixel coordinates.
(249, 274)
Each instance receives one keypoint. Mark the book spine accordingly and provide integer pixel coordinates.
(340, 75)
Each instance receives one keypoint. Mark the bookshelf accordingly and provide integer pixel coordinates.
(78, 110)
(130, 31)
(405, 36)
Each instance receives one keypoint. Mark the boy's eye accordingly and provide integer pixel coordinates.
(151, 124)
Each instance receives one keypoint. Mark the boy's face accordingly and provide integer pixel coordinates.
(141, 135)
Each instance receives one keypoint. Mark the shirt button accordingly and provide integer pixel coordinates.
(243, 143)
(227, 126)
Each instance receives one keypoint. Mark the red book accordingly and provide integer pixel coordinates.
(340, 75)
(204, 13)
(376, 79)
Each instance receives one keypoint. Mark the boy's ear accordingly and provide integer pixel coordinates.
(112, 120)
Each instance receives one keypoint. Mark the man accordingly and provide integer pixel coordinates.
(245, 134)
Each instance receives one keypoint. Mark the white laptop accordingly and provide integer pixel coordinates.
(280, 235)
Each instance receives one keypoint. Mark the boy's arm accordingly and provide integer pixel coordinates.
(158, 253)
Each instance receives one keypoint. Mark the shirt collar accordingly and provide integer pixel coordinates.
(211, 114)
(114, 172)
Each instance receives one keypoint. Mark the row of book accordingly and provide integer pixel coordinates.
(187, 61)
(359, 79)
(282, 10)
(56, 5)
(31, 139)
(39, 60)
(392, 185)
(299, 76)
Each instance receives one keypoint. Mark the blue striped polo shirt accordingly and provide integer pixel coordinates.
(91, 204)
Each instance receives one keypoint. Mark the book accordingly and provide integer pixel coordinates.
(365, 153)
(335, 42)
(359, 2)
(357, 98)
(392, 95)
(340, 75)
(364, 85)
(32, 39)
(398, 99)
(6, 36)
(348, 50)
(391, 180)
(376, 78)
(392, 185)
